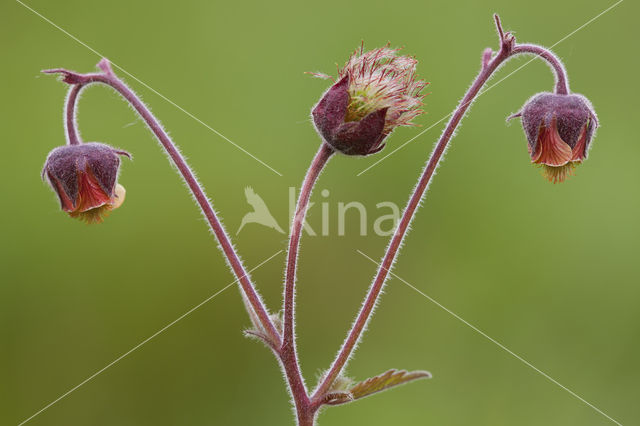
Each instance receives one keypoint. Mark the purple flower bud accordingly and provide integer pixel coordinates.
(376, 91)
(85, 177)
(559, 129)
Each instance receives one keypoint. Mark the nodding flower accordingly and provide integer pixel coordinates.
(375, 92)
(559, 129)
(85, 177)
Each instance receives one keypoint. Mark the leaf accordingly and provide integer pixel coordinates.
(337, 398)
(341, 383)
(343, 390)
(386, 381)
(258, 332)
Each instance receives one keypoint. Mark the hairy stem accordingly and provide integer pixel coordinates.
(71, 130)
(308, 420)
(508, 49)
(288, 350)
(79, 81)
(562, 83)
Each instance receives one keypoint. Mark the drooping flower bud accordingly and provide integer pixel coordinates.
(376, 91)
(559, 129)
(85, 177)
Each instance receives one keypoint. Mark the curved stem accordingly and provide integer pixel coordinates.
(79, 81)
(508, 49)
(562, 82)
(507, 40)
(288, 350)
(71, 131)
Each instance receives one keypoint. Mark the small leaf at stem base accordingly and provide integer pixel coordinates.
(337, 398)
(257, 331)
(373, 385)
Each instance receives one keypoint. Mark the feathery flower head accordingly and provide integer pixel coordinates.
(559, 129)
(85, 177)
(376, 92)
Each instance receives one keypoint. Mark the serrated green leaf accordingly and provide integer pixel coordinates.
(343, 390)
(385, 381)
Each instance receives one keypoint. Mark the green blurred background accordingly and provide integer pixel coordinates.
(550, 271)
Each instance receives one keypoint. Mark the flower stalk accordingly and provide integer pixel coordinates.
(288, 350)
(490, 63)
(71, 129)
(108, 77)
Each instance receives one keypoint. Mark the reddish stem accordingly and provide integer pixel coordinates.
(562, 83)
(508, 49)
(78, 82)
(71, 130)
(288, 351)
